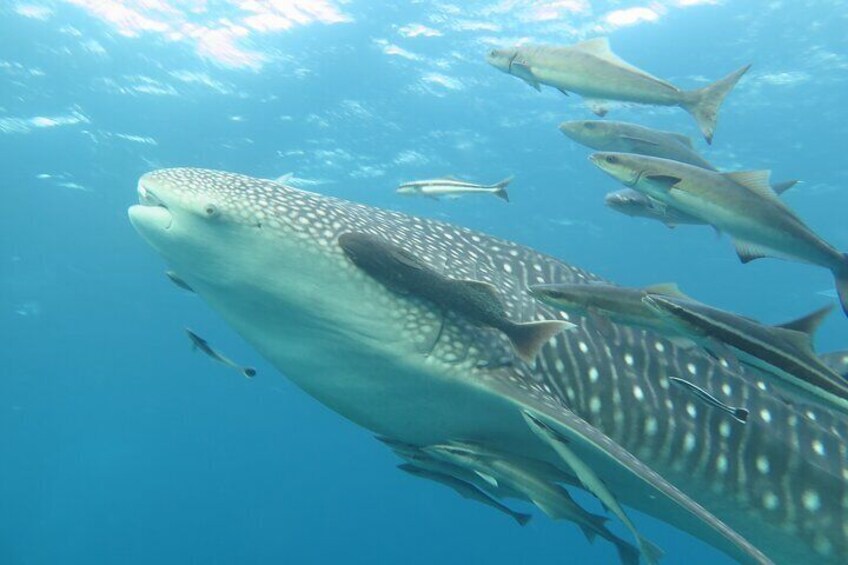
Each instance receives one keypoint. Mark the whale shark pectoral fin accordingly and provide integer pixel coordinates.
(609, 460)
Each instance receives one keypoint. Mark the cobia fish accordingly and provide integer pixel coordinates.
(741, 204)
(593, 71)
(625, 137)
(633, 203)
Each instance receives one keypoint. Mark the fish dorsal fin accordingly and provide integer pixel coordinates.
(680, 138)
(748, 251)
(283, 179)
(755, 181)
(808, 324)
(482, 289)
(633, 139)
(600, 48)
(801, 340)
(783, 186)
(666, 289)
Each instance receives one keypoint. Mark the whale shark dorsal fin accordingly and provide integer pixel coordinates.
(755, 181)
(808, 324)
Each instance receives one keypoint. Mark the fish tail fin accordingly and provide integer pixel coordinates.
(589, 533)
(627, 553)
(500, 188)
(741, 414)
(521, 518)
(650, 551)
(704, 103)
(841, 276)
(529, 337)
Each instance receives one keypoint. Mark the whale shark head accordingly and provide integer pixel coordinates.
(267, 258)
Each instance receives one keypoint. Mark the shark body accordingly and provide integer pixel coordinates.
(266, 258)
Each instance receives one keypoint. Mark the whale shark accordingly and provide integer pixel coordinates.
(267, 259)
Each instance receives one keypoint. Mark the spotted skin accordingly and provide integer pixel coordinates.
(779, 479)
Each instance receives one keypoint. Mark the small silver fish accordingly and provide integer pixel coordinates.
(739, 414)
(453, 188)
(177, 280)
(201, 344)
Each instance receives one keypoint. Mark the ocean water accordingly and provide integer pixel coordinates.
(119, 444)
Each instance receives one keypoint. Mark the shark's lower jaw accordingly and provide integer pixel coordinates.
(148, 218)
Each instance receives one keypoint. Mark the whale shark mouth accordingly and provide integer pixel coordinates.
(151, 210)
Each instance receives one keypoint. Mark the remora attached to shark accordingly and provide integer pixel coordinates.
(267, 258)
(592, 70)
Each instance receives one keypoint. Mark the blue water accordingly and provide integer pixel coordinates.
(118, 444)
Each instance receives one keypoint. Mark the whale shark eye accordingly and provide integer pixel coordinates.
(210, 210)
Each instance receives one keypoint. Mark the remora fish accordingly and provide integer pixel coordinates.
(650, 552)
(836, 360)
(624, 137)
(453, 188)
(625, 305)
(740, 414)
(593, 71)
(201, 344)
(465, 490)
(267, 259)
(551, 498)
(741, 204)
(785, 351)
(178, 281)
(634, 203)
(419, 457)
(399, 269)
(619, 304)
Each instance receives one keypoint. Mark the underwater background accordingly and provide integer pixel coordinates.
(119, 444)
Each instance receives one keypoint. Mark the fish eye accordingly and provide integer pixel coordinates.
(210, 210)
(589, 125)
(611, 159)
